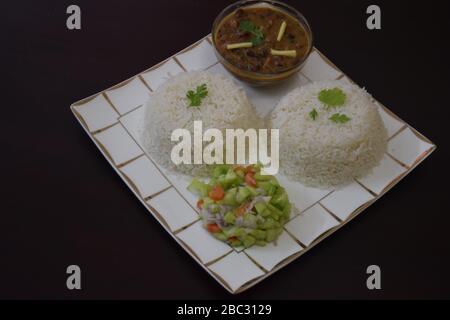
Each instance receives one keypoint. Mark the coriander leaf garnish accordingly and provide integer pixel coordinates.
(196, 97)
(332, 97)
(313, 114)
(339, 118)
(248, 26)
(257, 41)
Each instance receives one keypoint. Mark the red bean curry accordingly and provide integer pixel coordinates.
(253, 39)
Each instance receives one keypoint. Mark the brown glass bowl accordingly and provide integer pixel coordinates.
(257, 78)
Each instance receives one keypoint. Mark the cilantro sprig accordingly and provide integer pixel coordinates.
(339, 118)
(313, 114)
(332, 97)
(196, 97)
(257, 34)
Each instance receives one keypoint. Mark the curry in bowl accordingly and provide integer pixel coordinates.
(262, 43)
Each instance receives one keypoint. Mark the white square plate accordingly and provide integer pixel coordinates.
(173, 209)
(200, 242)
(199, 57)
(311, 224)
(115, 127)
(118, 144)
(344, 201)
(236, 269)
(274, 253)
(97, 113)
(383, 175)
(407, 147)
(145, 176)
(160, 74)
(128, 96)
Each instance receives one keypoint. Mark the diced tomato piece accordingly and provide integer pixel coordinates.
(250, 179)
(239, 211)
(213, 228)
(200, 203)
(250, 168)
(216, 193)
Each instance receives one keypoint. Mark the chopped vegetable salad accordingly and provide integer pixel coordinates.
(242, 207)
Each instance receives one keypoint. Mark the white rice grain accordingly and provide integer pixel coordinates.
(321, 153)
(225, 107)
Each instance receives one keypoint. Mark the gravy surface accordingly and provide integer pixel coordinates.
(258, 58)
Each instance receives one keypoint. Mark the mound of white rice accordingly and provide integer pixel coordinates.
(322, 153)
(225, 107)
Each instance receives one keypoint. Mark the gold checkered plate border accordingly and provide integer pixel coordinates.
(111, 118)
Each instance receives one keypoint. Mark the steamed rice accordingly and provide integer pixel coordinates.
(321, 153)
(225, 107)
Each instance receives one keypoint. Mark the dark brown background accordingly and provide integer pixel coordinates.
(62, 204)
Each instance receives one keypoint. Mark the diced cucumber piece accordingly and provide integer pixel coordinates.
(220, 236)
(264, 185)
(287, 210)
(271, 234)
(258, 234)
(274, 209)
(268, 187)
(229, 231)
(260, 177)
(239, 232)
(257, 167)
(230, 197)
(248, 241)
(261, 192)
(260, 207)
(270, 223)
(274, 181)
(242, 194)
(212, 182)
(280, 199)
(198, 187)
(228, 179)
(229, 217)
(220, 169)
(260, 243)
(272, 190)
(275, 216)
(283, 220)
(266, 213)
(250, 219)
(234, 232)
(253, 191)
(235, 243)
